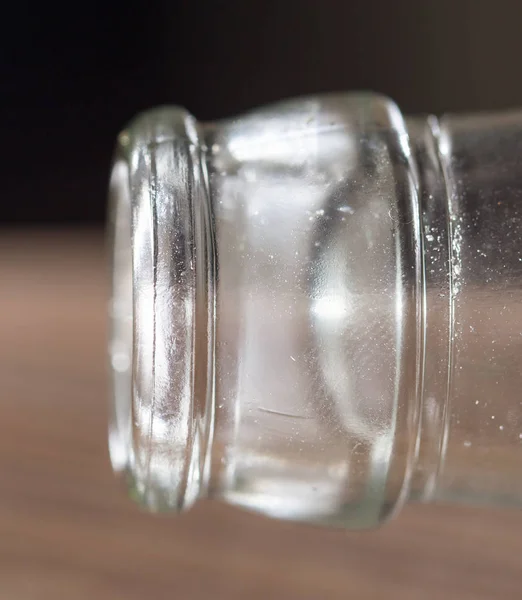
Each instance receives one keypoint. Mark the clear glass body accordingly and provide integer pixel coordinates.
(316, 309)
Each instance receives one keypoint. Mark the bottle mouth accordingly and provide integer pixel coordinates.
(159, 291)
(121, 316)
(266, 295)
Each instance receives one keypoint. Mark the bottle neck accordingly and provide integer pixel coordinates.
(316, 309)
(470, 438)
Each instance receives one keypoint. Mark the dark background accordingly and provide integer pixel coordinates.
(71, 76)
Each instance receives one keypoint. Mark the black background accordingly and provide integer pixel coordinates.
(73, 74)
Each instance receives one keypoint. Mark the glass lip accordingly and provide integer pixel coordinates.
(159, 423)
(121, 315)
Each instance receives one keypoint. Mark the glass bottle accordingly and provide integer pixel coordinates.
(317, 309)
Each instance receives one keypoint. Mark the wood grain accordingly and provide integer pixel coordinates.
(67, 529)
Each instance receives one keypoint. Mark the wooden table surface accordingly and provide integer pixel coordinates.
(67, 529)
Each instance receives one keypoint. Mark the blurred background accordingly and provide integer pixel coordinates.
(71, 77)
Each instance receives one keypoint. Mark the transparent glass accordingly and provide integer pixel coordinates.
(316, 309)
